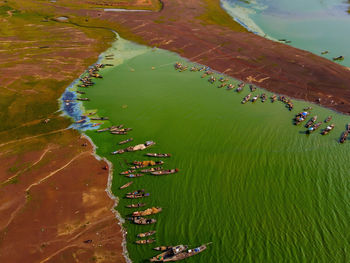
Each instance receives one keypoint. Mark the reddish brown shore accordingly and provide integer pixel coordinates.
(274, 66)
(54, 207)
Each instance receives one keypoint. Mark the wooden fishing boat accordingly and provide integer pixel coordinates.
(186, 254)
(145, 241)
(252, 88)
(126, 141)
(328, 129)
(147, 163)
(133, 175)
(136, 205)
(170, 251)
(103, 130)
(314, 127)
(146, 234)
(136, 196)
(119, 132)
(239, 89)
(329, 118)
(126, 185)
(263, 97)
(126, 172)
(153, 169)
(83, 99)
(118, 151)
(96, 124)
(143, 221)
(241, 85)
(212, 79)
(255, 98)
(81, 120)
(223, 79)
(165, 172)
(311, 122)
(273, 98)
(344, 136)
(230, 87)
(159, 155)
(162, 248)
(100, 118)
(340, 58)
(246, 99)
(147, 212)
(80, 92)
(114, 129)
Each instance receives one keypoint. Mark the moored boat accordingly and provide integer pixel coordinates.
(159, 155)
(255, 98)
(263, 97)
(145, 241)
(126, 172)
(103, 130)
(252, 88)
(328, 129)
(146, 234)
(126, 141)
(132, 175)
(311, 122)
(143, 221)
(170, 251)
(162, 248)
(119, 132)
(147, 163)
(137, 195)
(329, 118)
(230, 87)
(165, 172)
(153, 169)
(344, 136)
(147, 212)
(314, 127)
(136, 205)
(126, 185)
(300, 117)
(273, 98)
(174, 255)
(246, 99)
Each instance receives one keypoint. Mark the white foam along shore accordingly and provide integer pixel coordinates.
(242, 16)
(124, 10)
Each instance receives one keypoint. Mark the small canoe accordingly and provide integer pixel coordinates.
(143, 221)
(273, 98)
(147, 212)
(314, 127)
(145, 241)
(165, 172)
(136, 196)
(153, 169)
(328, 129)
(311, 122)
(83, 99)
(119, 132)
(126, 141)
(134, 175)
(126, 185)
(126, 172)
(118, 151)
(146, 234)
(329, 118)
(344, 136)
(147, 163)
(159, 155)
(136, 205)
(255, 98)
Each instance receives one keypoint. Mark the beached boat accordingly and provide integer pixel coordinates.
(136, 205)
(246, 99)
(159, 155)
(143, 221)
(146, 234)
(328, 129)
(162, 248)
(329, 118)
(314, 127)
(145, 241)
(126, 141)
(165, 172)
(147, 212)
(153, 169)
(311, 122)
(175, 255)
(132, 175)
(126, 185)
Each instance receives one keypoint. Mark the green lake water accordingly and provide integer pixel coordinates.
(250, 182)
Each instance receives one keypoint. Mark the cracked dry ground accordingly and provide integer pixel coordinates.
(52, 189)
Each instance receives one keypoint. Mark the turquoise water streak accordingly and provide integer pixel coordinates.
(250, 182)
(312, 25)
